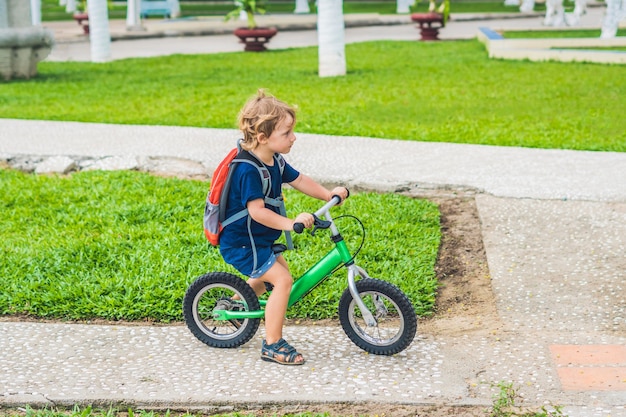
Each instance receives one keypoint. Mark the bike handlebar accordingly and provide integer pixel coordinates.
(298, 227)
(317, 222)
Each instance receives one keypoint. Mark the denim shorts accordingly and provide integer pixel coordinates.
(260, 271)
(242, 259)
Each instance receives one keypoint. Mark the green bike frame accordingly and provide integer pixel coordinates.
(339, 255)
(316, 274)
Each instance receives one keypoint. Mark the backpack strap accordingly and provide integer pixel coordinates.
(245, 157)
(265, 179)
(278, 159)
(280, 201)
(249, 158)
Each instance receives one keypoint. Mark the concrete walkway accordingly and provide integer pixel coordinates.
(554, 229)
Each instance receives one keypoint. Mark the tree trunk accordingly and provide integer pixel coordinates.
(99, 34)
(555, 13)
(331, 38)
(133, 18)
(615, 11)
(527, 6)
(175, 8)
(302, 6)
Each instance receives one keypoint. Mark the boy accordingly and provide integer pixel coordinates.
(268, 129)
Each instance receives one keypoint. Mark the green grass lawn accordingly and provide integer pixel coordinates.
(445, 91)
(125, 246)
(51, 11)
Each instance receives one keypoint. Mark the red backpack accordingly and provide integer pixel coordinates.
(217, 199)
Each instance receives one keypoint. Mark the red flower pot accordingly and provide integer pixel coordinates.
(255, 39)
(429, 24)
(83, 20)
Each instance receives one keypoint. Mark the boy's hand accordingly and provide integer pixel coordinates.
(305, 218)
(341, 192)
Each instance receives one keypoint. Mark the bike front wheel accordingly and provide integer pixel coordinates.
(396, 322)
(220, 291)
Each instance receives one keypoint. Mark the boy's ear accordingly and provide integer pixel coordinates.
(261, 138)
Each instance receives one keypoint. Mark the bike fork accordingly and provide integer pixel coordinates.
(353, 271)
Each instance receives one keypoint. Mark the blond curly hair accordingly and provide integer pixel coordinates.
(261, 114)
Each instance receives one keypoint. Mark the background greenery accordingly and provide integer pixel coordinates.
(125, 246)
(117, 10)
(444, 91)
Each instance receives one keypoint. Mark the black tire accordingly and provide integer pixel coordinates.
(396, 322)
(202, 297)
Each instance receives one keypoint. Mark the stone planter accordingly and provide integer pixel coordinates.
(429, 24)
(22, 45)
(255, 39)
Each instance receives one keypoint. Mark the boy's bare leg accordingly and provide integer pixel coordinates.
(258, 285)
(276, 306)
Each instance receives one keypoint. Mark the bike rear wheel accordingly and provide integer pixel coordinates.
(214, 291)
(396, 322)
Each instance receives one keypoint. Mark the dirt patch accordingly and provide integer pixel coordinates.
(465, 299)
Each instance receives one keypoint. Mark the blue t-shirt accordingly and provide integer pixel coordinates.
(247, 186)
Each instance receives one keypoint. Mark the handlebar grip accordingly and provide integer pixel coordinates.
(298, 227)
(339, 197)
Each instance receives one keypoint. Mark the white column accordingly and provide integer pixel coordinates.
(331, 38)
(99, 34)
(35, 12)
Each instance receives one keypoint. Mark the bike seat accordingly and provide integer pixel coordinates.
(278, 248)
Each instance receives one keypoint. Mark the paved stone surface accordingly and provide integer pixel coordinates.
(554, 228)
(372, 163)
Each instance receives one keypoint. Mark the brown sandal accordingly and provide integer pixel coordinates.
(281, 352)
